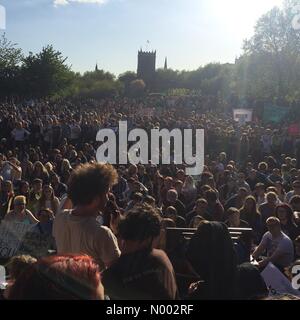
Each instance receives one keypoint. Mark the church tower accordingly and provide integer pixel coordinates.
(147, 67)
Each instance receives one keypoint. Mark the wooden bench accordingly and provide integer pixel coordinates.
(175, 236)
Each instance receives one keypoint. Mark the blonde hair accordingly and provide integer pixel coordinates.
(48, 166)
(20, 199)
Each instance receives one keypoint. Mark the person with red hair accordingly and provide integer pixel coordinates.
(64, 277)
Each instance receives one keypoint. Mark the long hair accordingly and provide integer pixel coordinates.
(188, 184)
(43, 169)
(212, 255)
(42, 200)
(249, 216)
(288, 210)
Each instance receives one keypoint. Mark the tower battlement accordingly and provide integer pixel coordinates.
(146, 66)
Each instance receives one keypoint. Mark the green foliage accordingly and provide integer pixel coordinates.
(10, 59)
(268, 71)
(137, 88)
(10, 55)
(46, 73)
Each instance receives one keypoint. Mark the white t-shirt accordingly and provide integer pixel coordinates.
(85, 235)
(19, 134)
(281, 244)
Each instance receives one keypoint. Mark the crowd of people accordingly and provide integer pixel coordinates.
(109, 223)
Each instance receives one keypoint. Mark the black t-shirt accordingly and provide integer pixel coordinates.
(143, 275)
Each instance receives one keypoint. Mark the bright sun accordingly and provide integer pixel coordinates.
(240, 16)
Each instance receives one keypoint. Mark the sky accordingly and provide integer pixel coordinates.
(191, 33)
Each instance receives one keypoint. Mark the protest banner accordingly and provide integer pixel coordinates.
(242, 115)
(36, 244)
(11, 236)
(274, 113)
(277, 282)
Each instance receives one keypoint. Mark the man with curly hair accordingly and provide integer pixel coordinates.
(141, 272)
(79, 230)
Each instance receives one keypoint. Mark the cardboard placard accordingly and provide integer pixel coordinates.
(11, 236)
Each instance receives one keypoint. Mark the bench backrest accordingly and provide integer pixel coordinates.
(175, 236)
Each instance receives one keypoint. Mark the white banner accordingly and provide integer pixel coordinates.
(242, 115)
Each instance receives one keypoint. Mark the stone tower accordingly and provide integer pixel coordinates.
(147, 66)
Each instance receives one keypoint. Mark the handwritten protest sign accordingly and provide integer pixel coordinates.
(36, 244)
(11, 235)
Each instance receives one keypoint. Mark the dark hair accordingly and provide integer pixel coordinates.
(48, 211)
(67, 277)
(232, 210)
(212, 255)
(288, 209)
(141, 222)
(170, 210)
(260, 185)
(90, 180)
(295, 199)
(37, 180)
(211, 195)
(250, 283)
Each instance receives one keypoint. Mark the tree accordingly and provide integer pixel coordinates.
(10, 55)
(126, 78)
(166, 79)
(10, 59)
(274, 55)
(46, 73)
(137, 88)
